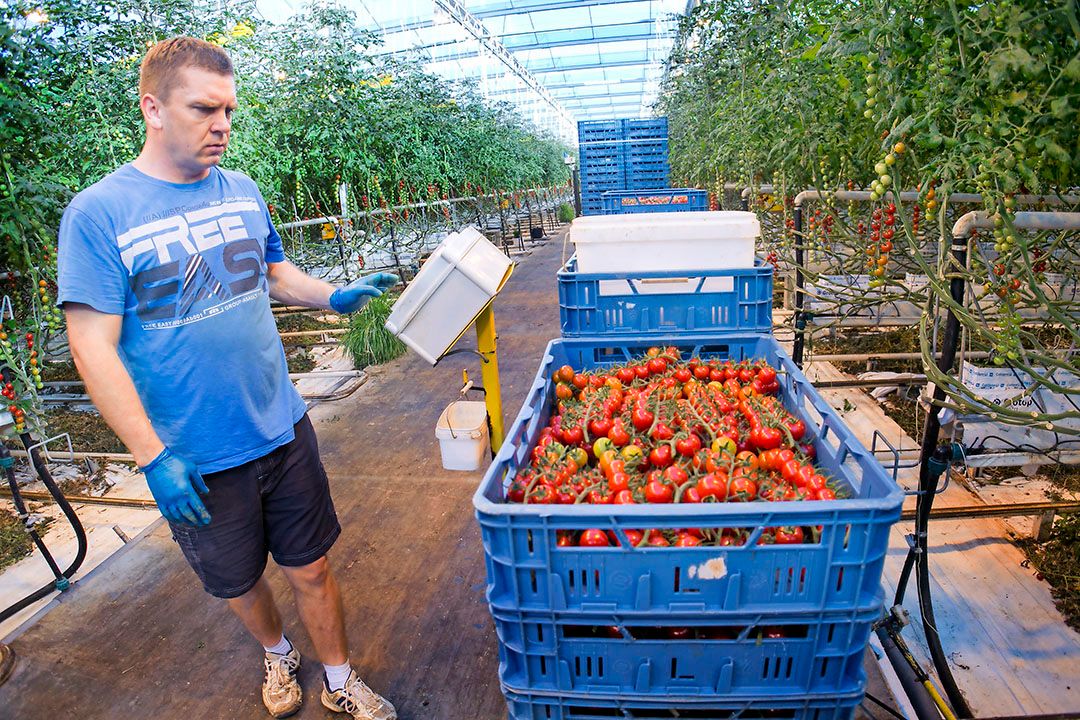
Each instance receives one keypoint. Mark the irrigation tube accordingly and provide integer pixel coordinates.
(932, 462)
(912, 677)
(934, 459)
(61, 581)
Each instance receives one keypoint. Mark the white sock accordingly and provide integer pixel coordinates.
(336, 675)
(282, 647)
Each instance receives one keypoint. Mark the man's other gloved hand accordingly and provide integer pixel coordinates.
(175, 483)
(355, 295)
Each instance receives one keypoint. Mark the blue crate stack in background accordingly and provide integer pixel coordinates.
(627, 154)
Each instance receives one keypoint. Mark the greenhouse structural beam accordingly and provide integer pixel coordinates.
(591, 65)
(541, 45)
(478, 30)
(497, 11)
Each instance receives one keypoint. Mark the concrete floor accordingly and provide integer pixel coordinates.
(138, 637)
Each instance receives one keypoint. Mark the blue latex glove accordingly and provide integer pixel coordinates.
(356, 294)
(175, 483)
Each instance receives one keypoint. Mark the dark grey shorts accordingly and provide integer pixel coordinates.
(279, 503)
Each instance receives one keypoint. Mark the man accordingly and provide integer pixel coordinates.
(166, 270)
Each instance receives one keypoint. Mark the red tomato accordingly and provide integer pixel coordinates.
(712, 486)
(658, 540)
(642, 371)
(826, 494)
(660, 456)
(747, 458)
(683, 375)
(600, 427)
(579, 381)
(599, 496)
(742, 489)
(676, 475)
(573, 435)
(542, 494)
(789, 535)
(766, 438)
(564, 539)
(791, 472)
(642, 419)
(516, 491)
(686, 540)
(657, 366)
(625, 375)
(691, 495)
(688, 446)
(624, 497)
(593, 537)
(618, 434)
(662, 432)
(658, 492)
(619, 481)
(797, 428)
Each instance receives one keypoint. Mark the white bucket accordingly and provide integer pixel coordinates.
(673, 241)
(462, 431)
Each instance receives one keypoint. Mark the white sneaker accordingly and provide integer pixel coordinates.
(358, 700)
(281, 692)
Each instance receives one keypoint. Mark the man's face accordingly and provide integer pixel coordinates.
(194, 122)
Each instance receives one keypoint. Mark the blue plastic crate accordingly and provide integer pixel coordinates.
(685, 656)
(643, 129)
(609, 150)
(602, 170)
(530, 706)
(587, 127)
(618, 202)
(639, 183)
(668, 303)
(527, 571)
(647, 148)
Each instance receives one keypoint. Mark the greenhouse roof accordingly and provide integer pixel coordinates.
(559, 61)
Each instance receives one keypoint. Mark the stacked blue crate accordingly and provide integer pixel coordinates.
(616, 630)
(769, 630)
(628, 154)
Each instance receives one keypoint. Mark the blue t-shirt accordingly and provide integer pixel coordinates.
(185, 264)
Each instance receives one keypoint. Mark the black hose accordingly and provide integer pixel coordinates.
(931, 454)
(911, 678)
(80, 534)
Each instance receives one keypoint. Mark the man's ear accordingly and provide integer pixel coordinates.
(151, 109)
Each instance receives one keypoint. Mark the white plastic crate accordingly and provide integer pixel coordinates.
(459, 279)
(665, 241)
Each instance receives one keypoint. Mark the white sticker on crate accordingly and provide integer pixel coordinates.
(1005, 386)
(714, 569)
(666, 286)
(915, 283)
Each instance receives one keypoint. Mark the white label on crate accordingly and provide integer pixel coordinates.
(1005, 387)
(667, 286)
(832, 290)
(714, 569)
(915, 283)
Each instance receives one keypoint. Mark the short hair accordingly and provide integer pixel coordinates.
(159, 72)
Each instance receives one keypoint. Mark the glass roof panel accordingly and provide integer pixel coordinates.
(557, 60)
